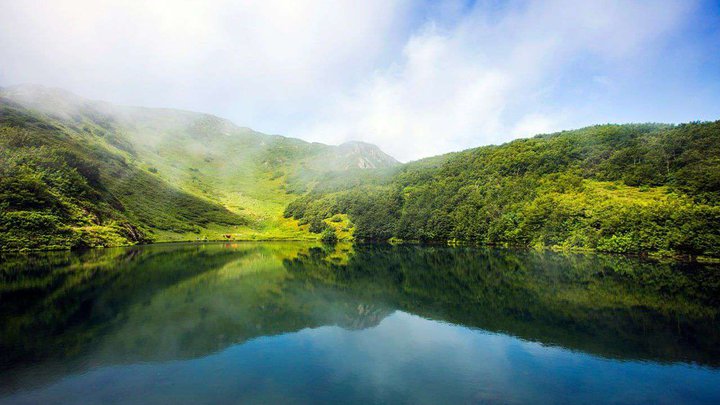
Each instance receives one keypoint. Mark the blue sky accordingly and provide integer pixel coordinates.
(416, 78)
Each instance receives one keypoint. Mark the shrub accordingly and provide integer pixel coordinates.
(329, 236)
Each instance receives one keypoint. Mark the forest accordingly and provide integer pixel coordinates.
(634, 189)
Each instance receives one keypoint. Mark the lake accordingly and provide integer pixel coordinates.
(297, 323)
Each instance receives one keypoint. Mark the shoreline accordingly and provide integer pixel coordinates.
(677, 257)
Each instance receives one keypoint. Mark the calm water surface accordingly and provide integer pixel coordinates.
(292, 323)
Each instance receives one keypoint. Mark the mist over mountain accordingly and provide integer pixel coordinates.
(83, 173)
(94, 173)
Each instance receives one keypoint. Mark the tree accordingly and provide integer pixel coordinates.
(329, 236)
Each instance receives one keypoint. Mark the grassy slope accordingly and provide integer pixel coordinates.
(63, 186)
(249, 173)
(240, 181)
(172, 175)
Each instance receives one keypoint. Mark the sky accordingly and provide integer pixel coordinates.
(417, 78)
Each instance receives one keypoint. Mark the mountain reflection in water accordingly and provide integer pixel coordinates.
(69, 321)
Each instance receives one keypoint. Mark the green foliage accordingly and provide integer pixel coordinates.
(72, 175)
(58, 191)
(317, 226)
(329, 236)
(172, 175)
(606, 305)
(614, 188)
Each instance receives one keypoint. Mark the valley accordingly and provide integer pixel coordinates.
(78, 173)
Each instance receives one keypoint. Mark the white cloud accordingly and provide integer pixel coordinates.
(253, 61)
(533, 124)
(486, 80)
(415, 78)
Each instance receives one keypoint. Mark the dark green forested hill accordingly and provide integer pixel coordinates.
(616, 188)
(76, 172)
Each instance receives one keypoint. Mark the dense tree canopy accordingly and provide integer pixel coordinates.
(616, 188)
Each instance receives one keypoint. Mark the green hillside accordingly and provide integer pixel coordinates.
(76, 172)
(615, 188)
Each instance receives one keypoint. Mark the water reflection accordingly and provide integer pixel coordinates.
(398, 320)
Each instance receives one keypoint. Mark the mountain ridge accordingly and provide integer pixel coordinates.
(165, 174)
(88, 174)
(31, 96)
(631, 188)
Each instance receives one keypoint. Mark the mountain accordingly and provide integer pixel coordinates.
(363, 155)
(636, 188)
(78, 172)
